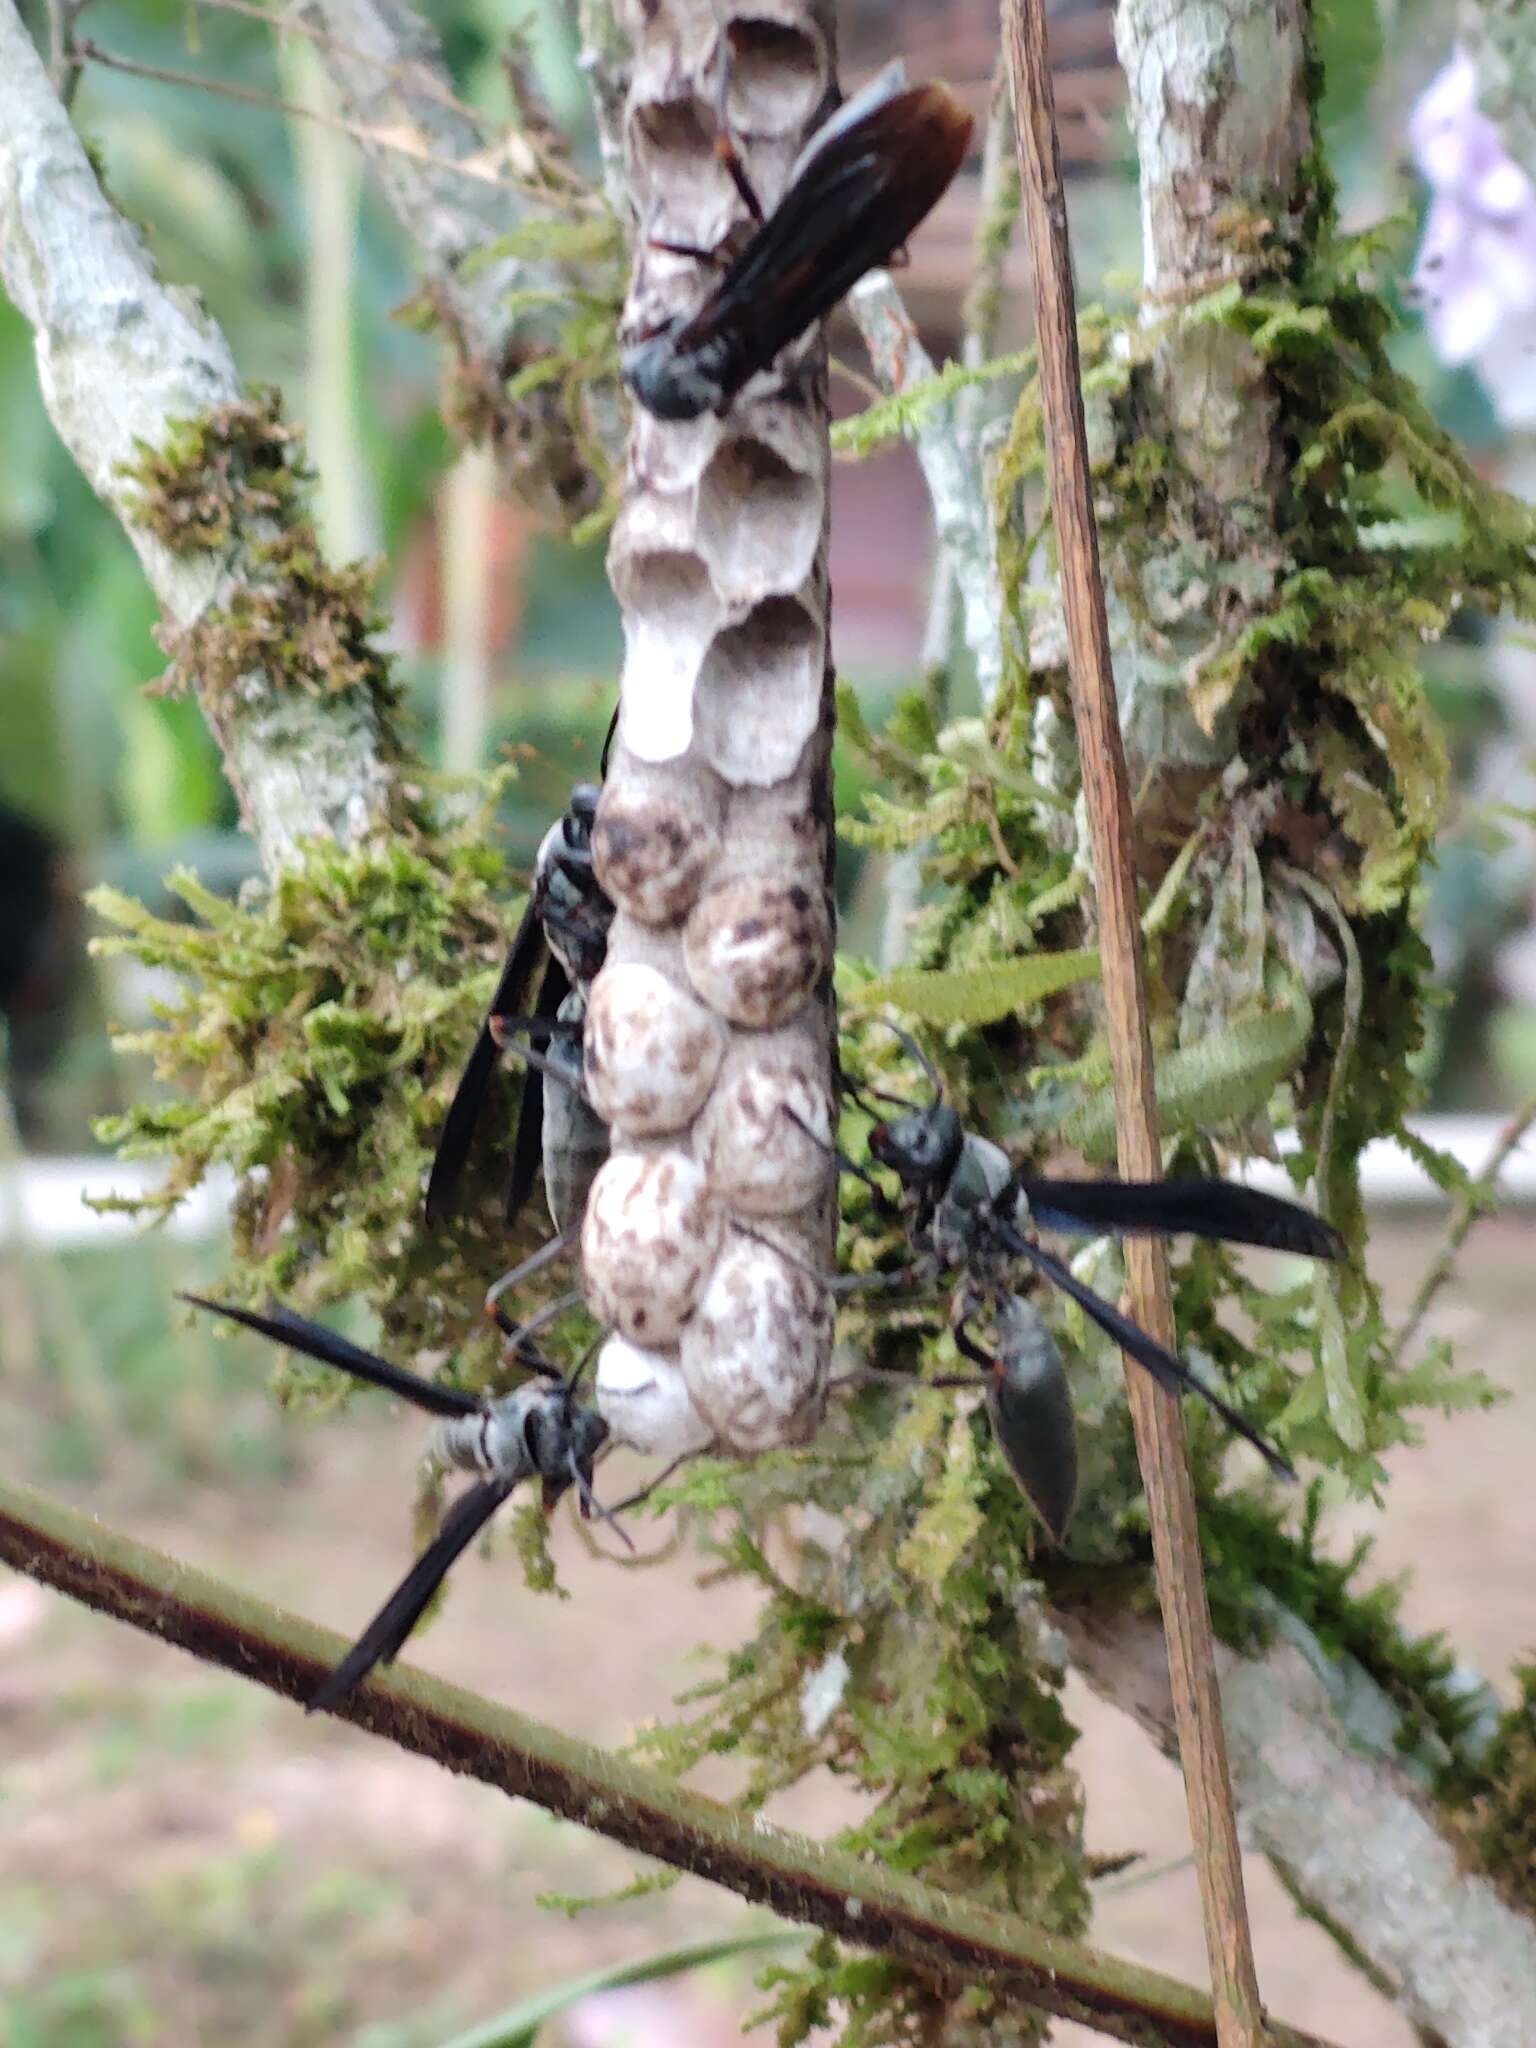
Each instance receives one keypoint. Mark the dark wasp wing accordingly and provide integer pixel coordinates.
(323, 1345)
(1219, 1209)
(381, 1640)
(528, 1145)
(452, 1155)
(1167, 1370)
(860, 190)
(1029, 1405)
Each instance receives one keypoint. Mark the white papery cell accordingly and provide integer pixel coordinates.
(756, 1351)
(765, 1139)
(651, 1051)
(755, 947)
(650, 1235)
(644, 1399)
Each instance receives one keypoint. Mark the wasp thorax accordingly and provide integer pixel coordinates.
(644, 1399)
(649, 1237)
(755, 948)
(650, 1051)
(755, 1354)
(766, 1136)
(652, 854)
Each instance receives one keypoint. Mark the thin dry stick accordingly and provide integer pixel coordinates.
(1158, 1420)
(958, 1943)
(1475, 1200)
(479, 171)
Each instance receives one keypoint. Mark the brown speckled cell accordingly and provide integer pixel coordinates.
(714, 832)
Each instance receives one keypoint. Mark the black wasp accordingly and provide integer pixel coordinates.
(538, 1431)
(970, 1210)
(865, 180)
(562, 939)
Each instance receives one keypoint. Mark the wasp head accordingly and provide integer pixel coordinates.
(921, 1149)
(578, 820)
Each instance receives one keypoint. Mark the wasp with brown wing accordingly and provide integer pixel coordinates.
(867, 178)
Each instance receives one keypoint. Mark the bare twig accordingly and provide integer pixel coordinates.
(795, 1876)
(488, 170)
(1474, 1201)
(387, 69)
(959, 502)
(605, 58)
(1155, 1411)
(287, 23)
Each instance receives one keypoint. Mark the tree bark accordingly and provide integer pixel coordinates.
(1323, 1791)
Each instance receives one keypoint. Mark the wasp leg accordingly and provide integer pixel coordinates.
(845, 1164)
(534, 1263)
(696, 250)
(653, 1485)
(736, 171)
(591, 1506)
(517, 1334)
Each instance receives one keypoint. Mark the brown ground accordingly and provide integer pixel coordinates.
(184, 1860)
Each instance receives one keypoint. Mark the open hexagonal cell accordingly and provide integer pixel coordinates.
(777, 74)
(759, 521)
(670, 616)
(758, 695)
(669, 456)
(672, 144)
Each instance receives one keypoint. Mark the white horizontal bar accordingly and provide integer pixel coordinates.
(1390, 1176)
(52, 1192)
(44, 1202)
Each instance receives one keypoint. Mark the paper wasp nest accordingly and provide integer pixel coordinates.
(713, 1015)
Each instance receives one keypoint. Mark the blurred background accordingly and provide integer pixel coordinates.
(181, 1858)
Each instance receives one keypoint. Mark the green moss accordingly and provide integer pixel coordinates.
(312, 1045)
(917, 1639)
(234, 479)
(1499, 1819)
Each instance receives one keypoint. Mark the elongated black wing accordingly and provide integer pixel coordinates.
(1167, 1370)
(323, 1345)
(862, 187)
(380, 1642)
(528, 1145)
(458, 1131)
(1219, 1209)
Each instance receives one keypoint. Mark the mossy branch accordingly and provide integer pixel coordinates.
(125, 364)
(926, 1929)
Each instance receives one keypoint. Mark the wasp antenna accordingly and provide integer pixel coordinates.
(592, 1507)
(612, 735)
(910, 1045)
(578, 1371)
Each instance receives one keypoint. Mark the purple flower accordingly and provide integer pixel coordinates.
(1476, 270)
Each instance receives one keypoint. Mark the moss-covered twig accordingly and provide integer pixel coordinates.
(796, 1877)
(125, 364)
